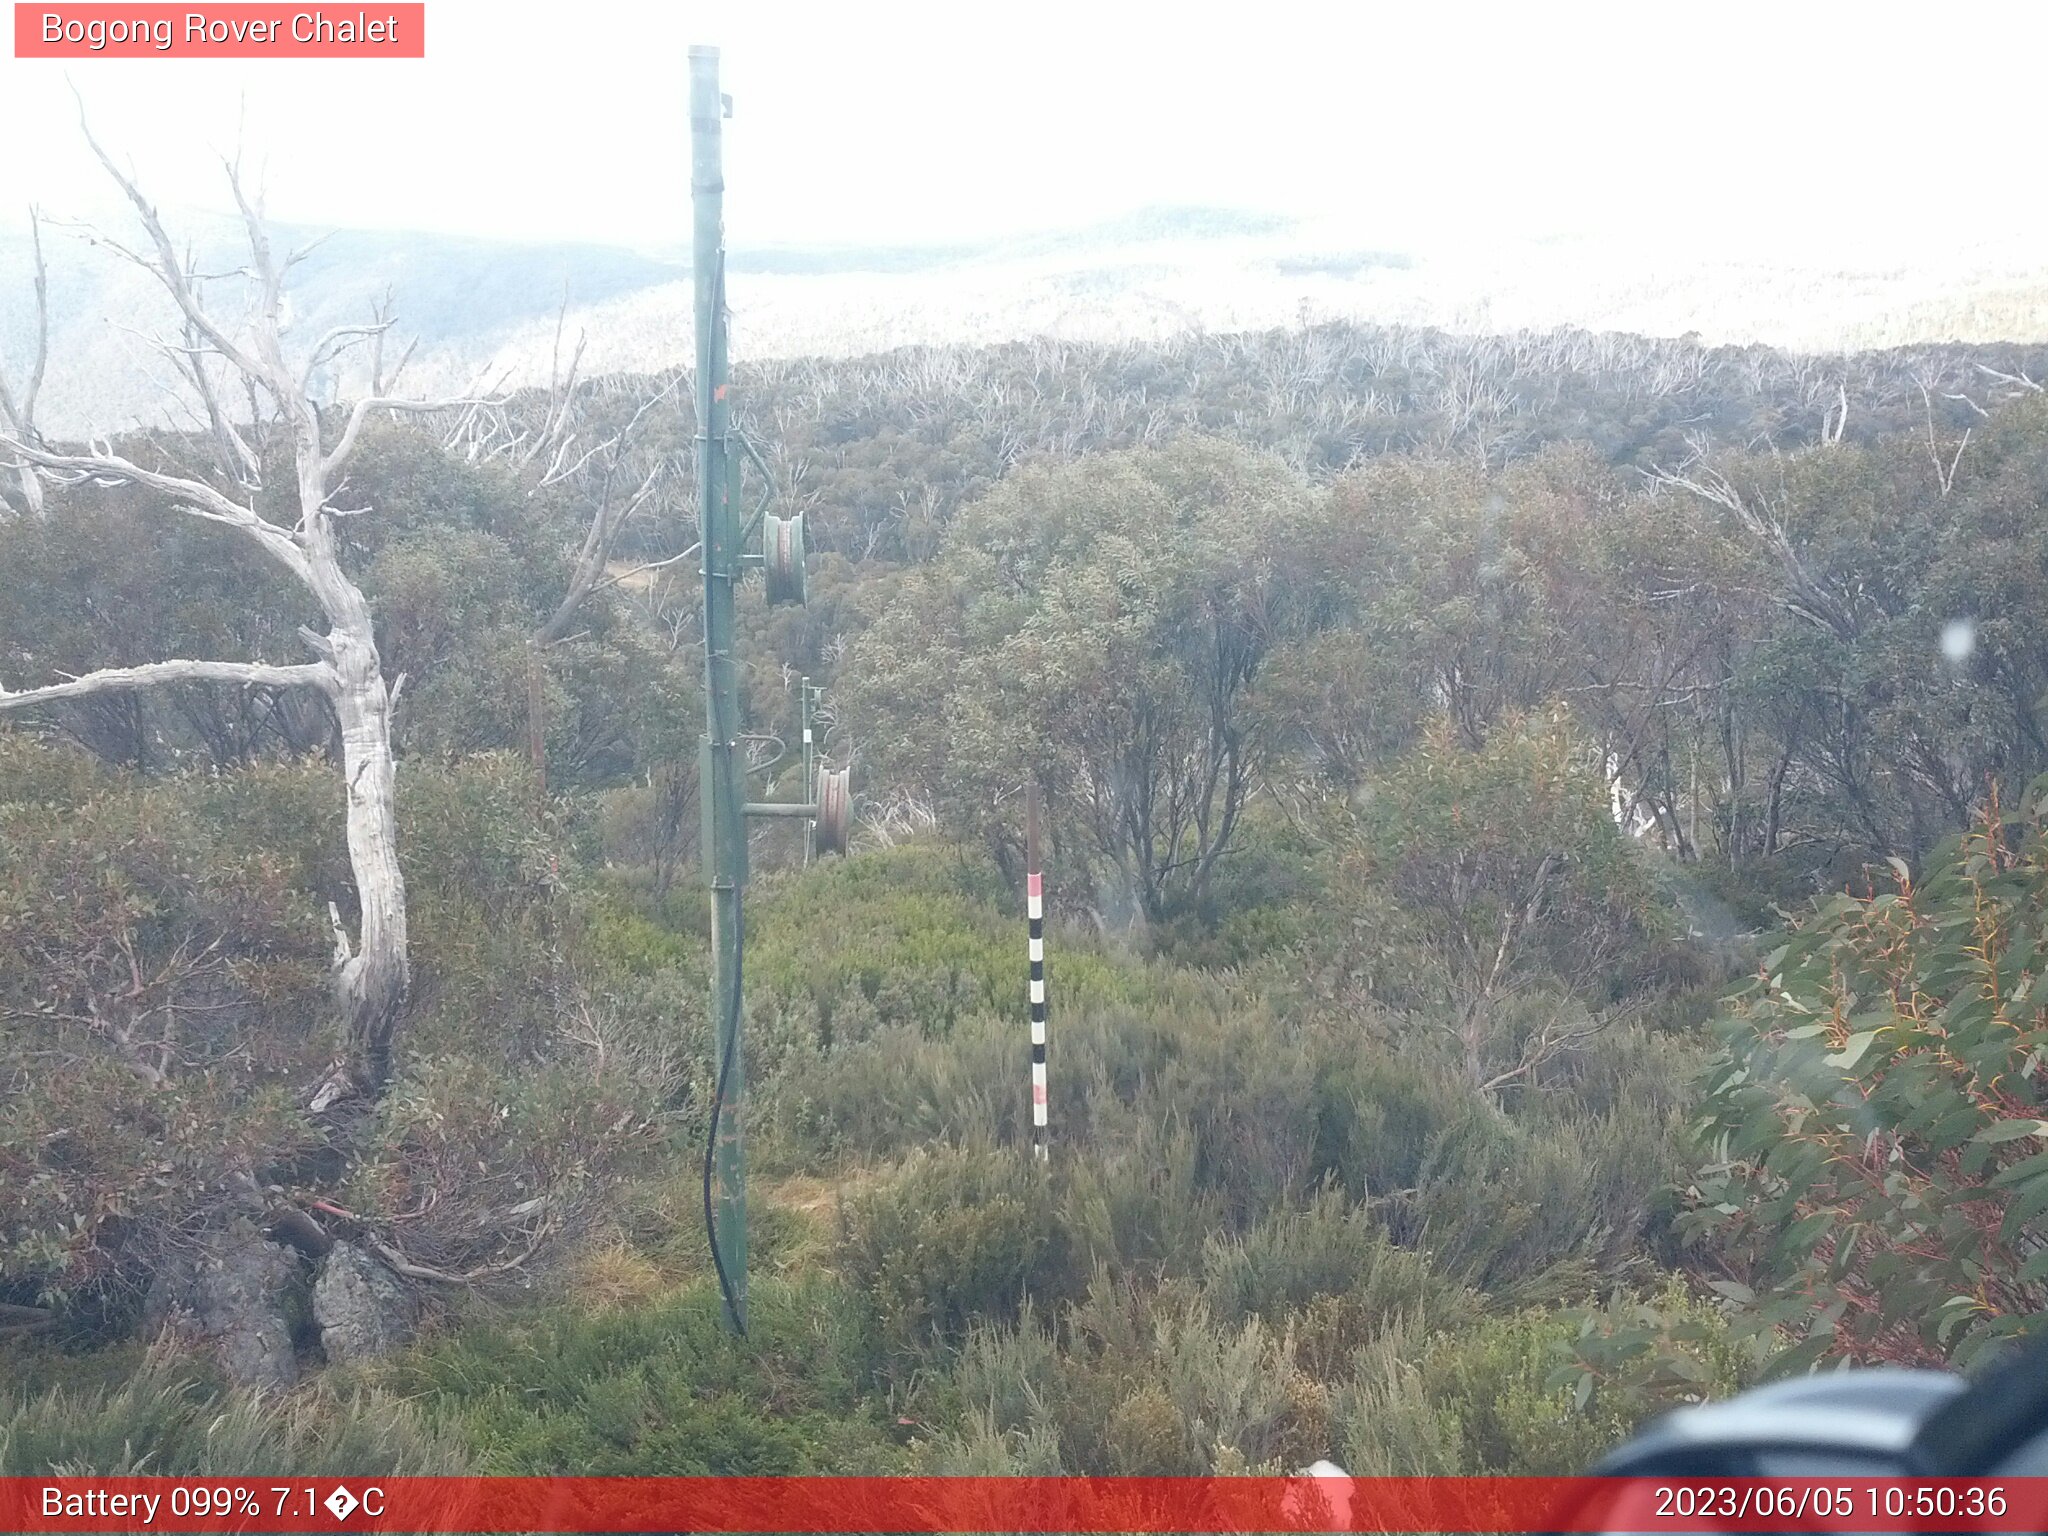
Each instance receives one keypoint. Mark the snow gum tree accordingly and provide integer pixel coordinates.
(257, 394)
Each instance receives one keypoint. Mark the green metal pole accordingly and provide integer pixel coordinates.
(725, 846)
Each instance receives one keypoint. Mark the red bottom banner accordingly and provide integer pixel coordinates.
(1021, 1504)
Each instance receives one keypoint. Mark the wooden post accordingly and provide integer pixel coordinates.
(1034, 912)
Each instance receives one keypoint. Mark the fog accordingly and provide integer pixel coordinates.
(1741, 128)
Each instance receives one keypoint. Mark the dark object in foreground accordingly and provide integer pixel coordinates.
(1859, 1423)
(1845, 1423)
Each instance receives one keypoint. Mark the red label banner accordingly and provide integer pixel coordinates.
(831, 1505)
(226, 31)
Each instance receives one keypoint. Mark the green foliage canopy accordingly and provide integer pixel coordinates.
(1879, 1128)
(1102, 626)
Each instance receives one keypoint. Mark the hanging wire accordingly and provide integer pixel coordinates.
(730, 1054)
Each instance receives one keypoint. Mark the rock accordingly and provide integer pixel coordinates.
(237, 1298)
(296, 1229)
(363, 1309)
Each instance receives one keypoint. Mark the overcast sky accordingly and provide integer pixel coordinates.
(1743, 125)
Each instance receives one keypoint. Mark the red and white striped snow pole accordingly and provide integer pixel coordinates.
(1034, 912)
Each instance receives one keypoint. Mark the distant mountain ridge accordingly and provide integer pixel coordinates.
(487, 309)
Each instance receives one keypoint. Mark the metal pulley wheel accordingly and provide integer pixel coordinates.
(782, 552)
(835, 809)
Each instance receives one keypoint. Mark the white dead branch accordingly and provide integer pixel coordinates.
(372, 975)
(18, 412)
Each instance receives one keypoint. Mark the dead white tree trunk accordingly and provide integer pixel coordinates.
(611, 509)
(372, 972)
(19, 484)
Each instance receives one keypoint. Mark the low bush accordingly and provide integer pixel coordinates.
(168, 1419)
(957, 1235)
(660, 1389)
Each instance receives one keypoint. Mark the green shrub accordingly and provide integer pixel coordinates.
(897, 1089)
(1876, 1116)
(168, 1419)
(979, 1449)
(1477, 1402)
(660, 1390)
(1133, 1204)
(1640, 1353)
(163, 982)
(1329, 1269)
(957, 1235)
(1538, 1200)
(1146, 1382)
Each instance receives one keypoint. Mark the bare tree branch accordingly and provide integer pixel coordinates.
(351, 335)
(193, 496)
(20, 413)
(18, 416)
(312, 674)
(2020, 380)
(167, 269)
(595, 556)
(561, 392)
(1944, 474)
(383, 313)
(412, 1271)
(641, 570)
(1807, 597)
(360, 411)
(236, 456)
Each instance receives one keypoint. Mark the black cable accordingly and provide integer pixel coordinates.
(711, 1141)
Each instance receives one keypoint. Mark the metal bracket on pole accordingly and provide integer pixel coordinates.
(778, 808)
